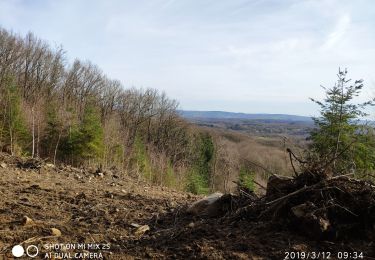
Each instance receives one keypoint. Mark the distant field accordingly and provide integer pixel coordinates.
(253, 124)
(231, 115)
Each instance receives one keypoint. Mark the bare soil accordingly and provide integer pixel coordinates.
(110, 209)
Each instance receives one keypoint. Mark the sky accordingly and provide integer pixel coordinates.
(252, 56)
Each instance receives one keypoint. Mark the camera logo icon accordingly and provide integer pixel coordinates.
(31, 251)
(18, 251)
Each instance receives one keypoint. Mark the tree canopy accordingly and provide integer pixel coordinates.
(340, 136)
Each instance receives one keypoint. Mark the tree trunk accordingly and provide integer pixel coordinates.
(33, 132)
(10, 125)
(56, 147)
(38, 139)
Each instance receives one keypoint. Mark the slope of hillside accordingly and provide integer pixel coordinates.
(87, 207)
(122, 218)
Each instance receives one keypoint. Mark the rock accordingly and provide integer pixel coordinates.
(308, 220)
(171, 204)
(109, 194)
(141, 230)
(49, 165)
(108, 172)
(159, 208)
(55, 232)
(191, 225)
(26, 221)
(91, 170)
(211, 206)
(324, 224)
(80, 197)
(3, 165)
(300, 248)
(301, 210)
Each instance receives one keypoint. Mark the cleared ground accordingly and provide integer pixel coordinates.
(111, 210)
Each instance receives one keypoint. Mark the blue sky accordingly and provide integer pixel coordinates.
(242, 56)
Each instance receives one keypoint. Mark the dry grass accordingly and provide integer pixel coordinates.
(269, 153)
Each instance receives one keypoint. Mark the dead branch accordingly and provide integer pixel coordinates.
(337, 156)
(246, 194)
(260, 185)
(291, 161)
(261, 166)
(293, 193)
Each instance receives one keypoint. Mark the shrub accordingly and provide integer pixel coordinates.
(246, 178)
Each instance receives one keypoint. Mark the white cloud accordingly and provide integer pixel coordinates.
(339, 32)
(232, 53)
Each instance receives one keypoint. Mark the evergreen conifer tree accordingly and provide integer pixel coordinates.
(339, 137)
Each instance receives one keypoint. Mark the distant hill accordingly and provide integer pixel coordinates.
(194, 115)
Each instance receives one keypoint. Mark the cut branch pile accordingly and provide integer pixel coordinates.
(30, 163)
(318, 206)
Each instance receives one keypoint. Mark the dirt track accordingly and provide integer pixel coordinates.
(91, 209)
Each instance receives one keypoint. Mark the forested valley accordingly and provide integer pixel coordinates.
(72, 113)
